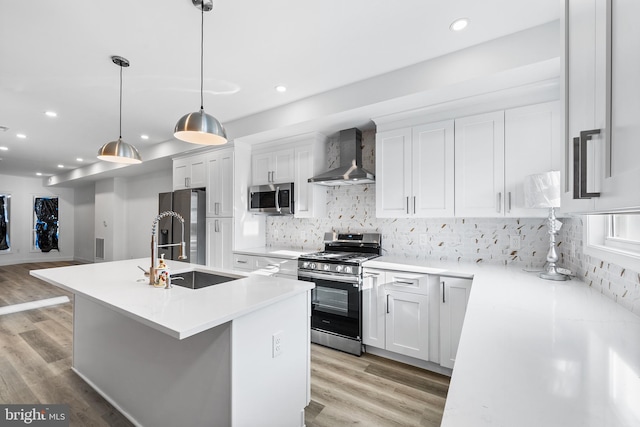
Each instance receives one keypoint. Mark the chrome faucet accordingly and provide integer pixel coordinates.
(154, 243)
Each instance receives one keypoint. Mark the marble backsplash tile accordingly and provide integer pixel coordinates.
(618, 283)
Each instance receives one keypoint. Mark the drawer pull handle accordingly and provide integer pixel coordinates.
(402, 282)
(240, 261)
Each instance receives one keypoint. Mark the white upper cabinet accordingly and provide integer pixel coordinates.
(220, 166)
(270, 167)
(294, 159)
(189, 172)
(415, 171)
(496, 151)
(479, 165)
(602, 92)
(620, 188)
(533, 144)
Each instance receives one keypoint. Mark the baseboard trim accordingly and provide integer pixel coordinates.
(429, 366)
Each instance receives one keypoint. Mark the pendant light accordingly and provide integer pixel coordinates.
(119, 151)
(199, 127)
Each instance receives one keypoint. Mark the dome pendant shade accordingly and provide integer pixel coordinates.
(200, 128)
(119, 152)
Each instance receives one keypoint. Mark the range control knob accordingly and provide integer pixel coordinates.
(312, 266)
(339, 268)
(348, 270)
(326, 267)
(305, 264)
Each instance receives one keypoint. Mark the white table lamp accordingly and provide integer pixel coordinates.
(543, 191)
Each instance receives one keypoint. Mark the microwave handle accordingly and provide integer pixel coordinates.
(278, 199)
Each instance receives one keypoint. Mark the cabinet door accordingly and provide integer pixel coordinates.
(181, 172)
(261, 168)
(219, 243)
(282, 167)
(585, 55)
(432, 170)
(533, 145)
(407, 324)
(622, 173)
(303, 190)
(220, 184)
(198, 177)
(373, 308)
(479, 165)
(454, 297)
(393, 173)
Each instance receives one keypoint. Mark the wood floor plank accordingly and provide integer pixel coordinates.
(46, 347)
(13, 389)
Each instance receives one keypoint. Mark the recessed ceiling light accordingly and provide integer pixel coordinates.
(281, 88)
(4, 148)
(79, 159)
(459, 24)
(21, 135)
(51, 113)
(145, 137)
(39, 173)
(61, 166)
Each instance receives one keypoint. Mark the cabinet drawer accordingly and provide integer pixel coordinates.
(243, 262)
(278, 265)
(407, 282)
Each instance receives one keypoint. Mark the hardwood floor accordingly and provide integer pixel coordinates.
(35, 367)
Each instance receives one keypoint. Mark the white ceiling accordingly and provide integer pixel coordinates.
(56, 56)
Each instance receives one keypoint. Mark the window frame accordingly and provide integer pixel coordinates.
(597, 243)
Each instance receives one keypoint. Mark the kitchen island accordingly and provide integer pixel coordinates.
(233, 354)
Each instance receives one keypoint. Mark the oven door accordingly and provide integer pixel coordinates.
(335, 303)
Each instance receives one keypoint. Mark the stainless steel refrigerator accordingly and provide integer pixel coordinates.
(191, 204)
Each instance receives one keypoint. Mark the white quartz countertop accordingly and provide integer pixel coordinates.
(178, 312)
(535, 352)
(284, 253)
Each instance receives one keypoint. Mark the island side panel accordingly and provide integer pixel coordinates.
(268, 390)
(152, 378)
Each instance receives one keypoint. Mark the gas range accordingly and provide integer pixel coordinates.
(344, 253)
(336, 300)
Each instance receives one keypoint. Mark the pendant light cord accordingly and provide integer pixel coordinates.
(202, 55)
(120, 137)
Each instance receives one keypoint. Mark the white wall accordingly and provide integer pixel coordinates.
(84, 206)
(22, 191)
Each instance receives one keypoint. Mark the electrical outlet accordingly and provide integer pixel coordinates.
(424, 239)
(303, 235)
(514, 242)
(276, 344)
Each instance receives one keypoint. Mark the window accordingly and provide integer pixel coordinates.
(614, 238)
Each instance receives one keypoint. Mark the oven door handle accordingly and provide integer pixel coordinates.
(344, 279)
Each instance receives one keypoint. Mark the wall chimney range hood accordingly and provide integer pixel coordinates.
(350, 170)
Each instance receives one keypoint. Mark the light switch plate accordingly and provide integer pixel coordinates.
(514, 242)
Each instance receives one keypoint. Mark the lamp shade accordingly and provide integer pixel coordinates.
(200, 128)
(119, 152)
(542, 190)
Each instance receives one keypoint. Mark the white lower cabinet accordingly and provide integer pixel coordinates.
(395, 311)
(414, 314)
(219, 242)
(407, 324)
(454, 297)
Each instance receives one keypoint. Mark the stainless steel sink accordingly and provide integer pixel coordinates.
(199, 279)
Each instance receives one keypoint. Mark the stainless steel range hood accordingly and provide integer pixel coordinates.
(350, 170)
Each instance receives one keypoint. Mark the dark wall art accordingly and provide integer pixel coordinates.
(4, 222)
(45, 223)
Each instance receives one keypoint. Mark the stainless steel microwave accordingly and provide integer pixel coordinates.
(274, 199)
